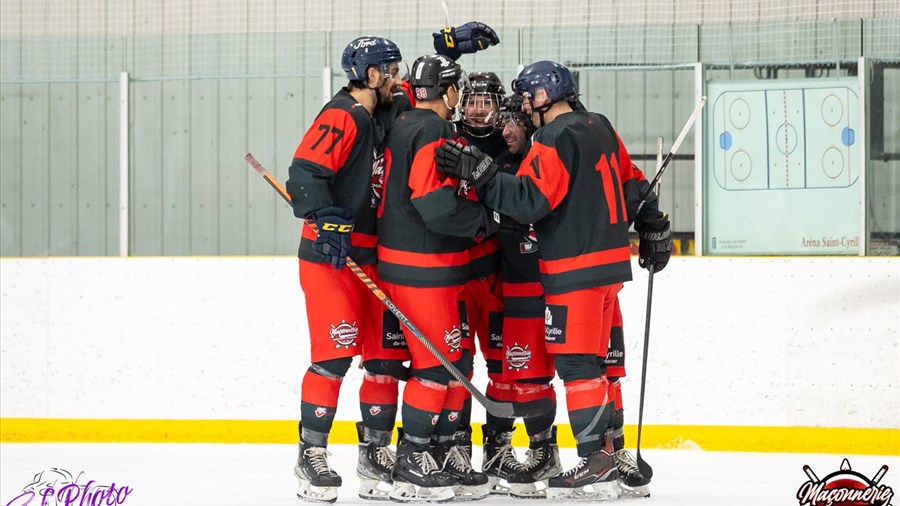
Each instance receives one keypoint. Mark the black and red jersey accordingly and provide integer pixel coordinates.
(569, 186)
(425, 227)
(485, 256)
(333, 167)
(523, 295)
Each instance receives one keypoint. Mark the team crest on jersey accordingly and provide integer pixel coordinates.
(518, 357)
(453, 338)
(344, 335)
(530, 244)
(320, 412)
(434, 420)
(377, 178)
(374, 410)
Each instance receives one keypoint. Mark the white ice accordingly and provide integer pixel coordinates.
(223, 475)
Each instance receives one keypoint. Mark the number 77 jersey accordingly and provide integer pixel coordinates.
(333, 167)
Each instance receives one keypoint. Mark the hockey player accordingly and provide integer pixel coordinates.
(569, 186)
(426, 226)
(526, 368)
(335, 182)
(482, 303)
(330, 185)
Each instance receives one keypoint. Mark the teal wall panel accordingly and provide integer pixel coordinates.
(176, 169)
(146, 232)
(62, 146)
(204, 160)
(35, 168)
(11, 216)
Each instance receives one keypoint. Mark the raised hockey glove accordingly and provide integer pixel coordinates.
(468, 38)
(656, 242)
(465, 162)
(333, 242)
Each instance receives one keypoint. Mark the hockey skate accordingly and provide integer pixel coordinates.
(631, 481)
(418, 478)
(593, 479)
(541, 464)
(374, 468)
(454, 457)
(499, 459)
(318, 482)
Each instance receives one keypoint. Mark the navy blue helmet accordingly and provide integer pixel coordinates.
(556, 79)
(363, 52)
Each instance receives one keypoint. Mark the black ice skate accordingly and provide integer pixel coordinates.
(499, 459)
(418, 478)
(593, 479)
(454, 458)
(631, 481)
(541, 463)
(374, 468)
(318, 482)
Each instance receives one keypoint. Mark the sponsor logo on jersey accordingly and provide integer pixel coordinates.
(374, 410)
(844, 487)
(391, 335)
(518, 357)
(555, 324)
(453, 416)
(320, 412)
(434, 420)
(530, 245)
(377, 183)
(453, 338)
(495, 326)
(344, 334)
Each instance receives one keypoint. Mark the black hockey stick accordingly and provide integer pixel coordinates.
(643, 466)
(499, 409)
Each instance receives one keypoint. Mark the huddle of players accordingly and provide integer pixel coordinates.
(387, 152)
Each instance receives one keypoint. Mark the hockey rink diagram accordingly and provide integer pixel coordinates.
(782, 139)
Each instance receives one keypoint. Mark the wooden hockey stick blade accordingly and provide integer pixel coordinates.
(499, 409)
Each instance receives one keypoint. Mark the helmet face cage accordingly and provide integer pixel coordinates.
(511, 113)
(364, 52)
(481, 109)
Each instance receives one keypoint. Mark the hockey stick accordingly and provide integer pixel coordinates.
(499, 409)
(643, 466)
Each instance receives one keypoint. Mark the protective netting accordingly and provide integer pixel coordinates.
(91, 40)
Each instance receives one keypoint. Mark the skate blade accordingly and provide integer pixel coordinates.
(409, 493)
(601, 491)
(374, 490)
(536, 490)
(471, 492)
(499, 486)
(639, 492)
(309, 492)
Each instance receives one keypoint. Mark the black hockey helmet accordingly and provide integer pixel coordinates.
(481, 104)
(431, 74)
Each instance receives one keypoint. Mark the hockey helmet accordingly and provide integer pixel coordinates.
(555, 79)
(430, 74)
(363, 52)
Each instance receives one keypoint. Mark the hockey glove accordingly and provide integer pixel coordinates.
(333, 242)
(468, 38)
(465, 162)
(656, 242)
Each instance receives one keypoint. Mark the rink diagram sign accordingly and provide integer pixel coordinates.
(782, 170)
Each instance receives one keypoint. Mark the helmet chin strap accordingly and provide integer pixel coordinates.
(541, 110)
(455, 110)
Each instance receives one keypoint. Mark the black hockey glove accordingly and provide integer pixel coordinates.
(468, 38)
(511, 226)
(333, 242)
(656, 242)
(465, 162)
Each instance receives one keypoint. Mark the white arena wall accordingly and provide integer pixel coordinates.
(765, 344)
